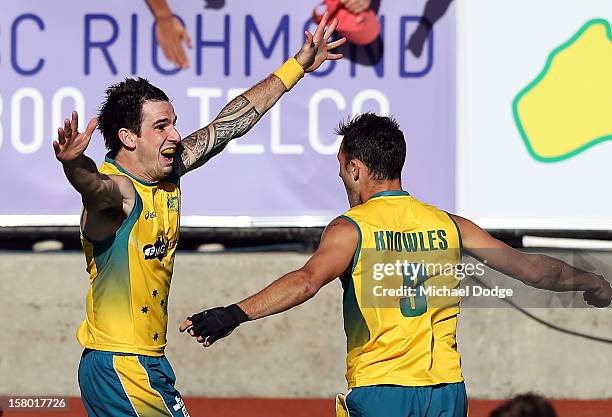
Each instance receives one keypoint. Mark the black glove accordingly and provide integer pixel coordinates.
(216, 323)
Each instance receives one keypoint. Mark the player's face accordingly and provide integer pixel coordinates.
(156, 146)
(351, 186)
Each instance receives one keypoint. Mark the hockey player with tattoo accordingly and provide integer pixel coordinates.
(129, 250)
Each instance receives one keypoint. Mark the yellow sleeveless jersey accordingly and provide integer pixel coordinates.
(130, 272)
(398, 331)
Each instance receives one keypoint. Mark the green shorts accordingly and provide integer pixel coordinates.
(445, 400)
(124, 385)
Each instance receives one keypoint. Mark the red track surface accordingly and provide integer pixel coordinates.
(259, 407)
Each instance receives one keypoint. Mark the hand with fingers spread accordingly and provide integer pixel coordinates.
(71, 144)
(211, 325)
(316, 48)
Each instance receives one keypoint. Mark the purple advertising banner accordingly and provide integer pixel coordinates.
(61, 55)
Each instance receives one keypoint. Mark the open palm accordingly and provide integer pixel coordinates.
(316, 48)
(71, 144)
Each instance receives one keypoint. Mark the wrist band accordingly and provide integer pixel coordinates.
(290, 73)
(237, 313)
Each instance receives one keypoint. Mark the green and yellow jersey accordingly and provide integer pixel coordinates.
(401, 338)
(130, 272)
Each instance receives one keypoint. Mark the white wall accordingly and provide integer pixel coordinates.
(296, 354)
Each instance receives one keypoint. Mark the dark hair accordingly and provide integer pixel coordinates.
(123, 109)
(377, 141)
(525, 405)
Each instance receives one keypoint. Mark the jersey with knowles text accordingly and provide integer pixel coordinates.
(398, 332)
(130, 272)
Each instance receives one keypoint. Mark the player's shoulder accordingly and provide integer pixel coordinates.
(424, 205)
(463, 224)
(342, 227)
(431, 211)
(357, 212)
(340, 222)
(341, 232)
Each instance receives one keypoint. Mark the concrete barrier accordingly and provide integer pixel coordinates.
(300, 353)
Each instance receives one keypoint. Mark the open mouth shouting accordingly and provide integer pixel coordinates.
(168, 155)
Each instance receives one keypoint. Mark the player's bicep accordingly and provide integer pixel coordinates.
(335, 253)
(497, 255)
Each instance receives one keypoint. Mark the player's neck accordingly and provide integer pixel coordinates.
(380, 186)
(127, 162)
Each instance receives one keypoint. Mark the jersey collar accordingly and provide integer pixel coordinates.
(389, 193)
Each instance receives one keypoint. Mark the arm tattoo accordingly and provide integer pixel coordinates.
(195, 146)
(230, 129)
(234, 106)
(236, 118)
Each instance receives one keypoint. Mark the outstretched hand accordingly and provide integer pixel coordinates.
(600, 297)
(316, 48)
(211, 325)
(71, 144)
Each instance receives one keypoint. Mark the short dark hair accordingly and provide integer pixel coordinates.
(377, 141)
(123, 109)
(525, 405)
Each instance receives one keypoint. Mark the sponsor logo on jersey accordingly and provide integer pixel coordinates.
(158, 250)
(173, 204)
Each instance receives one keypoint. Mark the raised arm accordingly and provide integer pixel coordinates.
(539, 271)
(241, 114)
(100, 193)
(334, 255)
(332, 258)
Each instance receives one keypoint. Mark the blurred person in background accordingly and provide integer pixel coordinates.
(356, 6)
(214, 4)
(130, 226)
(434, 10)
(525, 405)
(402, 358)
(170, 33)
